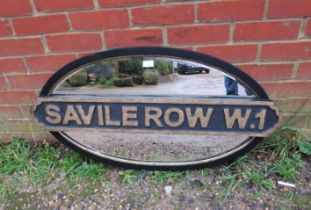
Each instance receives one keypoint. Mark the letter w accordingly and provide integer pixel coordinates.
(198, 115)
(237, 116)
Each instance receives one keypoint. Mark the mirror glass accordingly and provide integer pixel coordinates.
(140, 76)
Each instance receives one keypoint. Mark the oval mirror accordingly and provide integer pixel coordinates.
(155, 107)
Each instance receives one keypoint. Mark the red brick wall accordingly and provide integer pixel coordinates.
(269, 39)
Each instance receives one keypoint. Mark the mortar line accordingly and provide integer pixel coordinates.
(259, 50)
(265, 11)
(45, 45)
(33, 7)
(28, 70)
(7, 82)
(196, 12)
(69, 22)
(96, 5)
(231, 32)
(12, 27)
(303, 23)
(295, 70)
(130, 16)
(165, 37)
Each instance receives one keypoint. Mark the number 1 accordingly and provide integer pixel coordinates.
(262, 117)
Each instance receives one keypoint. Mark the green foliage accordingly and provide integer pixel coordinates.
(14, 156)
(66, 84)
(24, 164)
(100, 82)
(279, 155)
(90, 170)
(8, 190)
(128, 176)
(163, 176)
(164, 67)
(205, 172)
(78, 78)
(70, 161)
(131, 67)
(287, 168)
(43, 162)
(304, 147)
(110, 83)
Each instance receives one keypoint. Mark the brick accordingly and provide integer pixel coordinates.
(266, 30)
(17, 97)
(126, 38)
(14, 125)
(28, 81)
(8, 137)
(298, 121)
(307, 125)
(308, 28)
(100, 20)
(74, 42)
(288, 89)
(45, 137)
(306, 133)
(163, 15)
(122, 3)
(5, 29)
(15, 7)
(178, 0)
(24, 46)
(304, 71)
(40, 25)
(281, 104)
(231, 10)
(2, 83)
(35, 127)
(298, 105)
(11, 65)
(289, 8)
(26, 111)
(198, 34)
(62, 5)
(286, 51)
(233, 53)
(9, 112)
(268, 71)
(48, 63)
(83, 54)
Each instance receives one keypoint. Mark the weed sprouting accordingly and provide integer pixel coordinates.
(163, 176)
(127, 176)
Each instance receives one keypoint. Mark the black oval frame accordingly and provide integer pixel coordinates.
(157, 51)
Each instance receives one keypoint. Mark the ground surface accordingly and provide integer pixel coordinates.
(49, 177)
(203, 84)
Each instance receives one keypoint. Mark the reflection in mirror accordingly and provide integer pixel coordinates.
(154, 76)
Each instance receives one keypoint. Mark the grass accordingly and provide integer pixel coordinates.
(14, 157)
(163, 176)
(24, 162)
(128, 176)
(278, 158)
